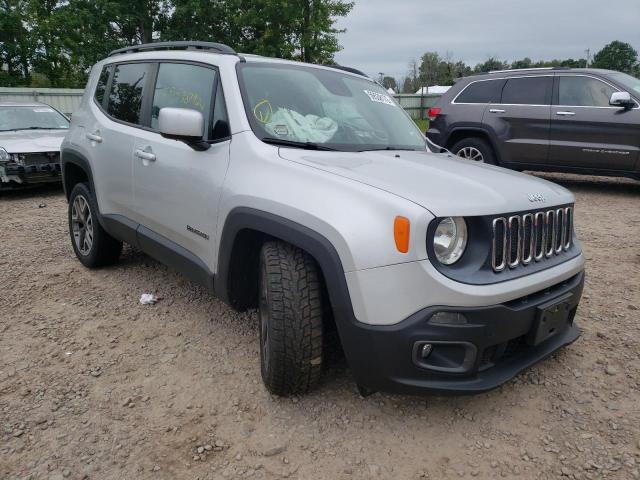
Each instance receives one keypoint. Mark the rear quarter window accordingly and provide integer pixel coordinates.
(483, 91)
(101, 86)
(125, 96)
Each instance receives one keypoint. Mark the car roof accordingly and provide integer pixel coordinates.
(249, 58)
(21, 103)
(190, 50)
(537, 71)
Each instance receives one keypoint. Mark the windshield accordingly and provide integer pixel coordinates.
(33, 117)
(314, 107)
(632, 84)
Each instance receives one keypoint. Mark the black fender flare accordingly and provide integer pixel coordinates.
(315, 244)
(71, 156)
(74, 157)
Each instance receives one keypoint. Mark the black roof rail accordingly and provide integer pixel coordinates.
(531, 69)
(348, 69)
(146, 47)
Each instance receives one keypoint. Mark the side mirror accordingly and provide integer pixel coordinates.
(183, 124)
(621, 99)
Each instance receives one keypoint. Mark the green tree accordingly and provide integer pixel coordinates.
(524, 63)
(492, 63)
(295, 29)
(390, 82)
(618, 56)
(16, 43)
(430, 69)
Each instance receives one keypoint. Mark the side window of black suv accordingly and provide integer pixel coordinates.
(528, 91)
(484, 91)
(580, 91)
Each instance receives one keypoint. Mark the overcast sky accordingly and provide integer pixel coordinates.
(383, 35)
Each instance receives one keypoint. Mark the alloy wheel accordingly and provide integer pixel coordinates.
(471, 153)
(82, 224)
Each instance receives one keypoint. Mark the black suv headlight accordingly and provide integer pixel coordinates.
(450, 240)
(4, 155)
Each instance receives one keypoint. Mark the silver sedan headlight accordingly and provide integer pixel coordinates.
(4, 155)
(450, 240)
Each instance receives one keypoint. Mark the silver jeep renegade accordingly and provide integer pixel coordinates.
(306, 192)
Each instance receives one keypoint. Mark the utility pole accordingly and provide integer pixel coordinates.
(588, 52)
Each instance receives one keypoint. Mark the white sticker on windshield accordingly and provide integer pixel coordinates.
(42, 110)
(379, 97)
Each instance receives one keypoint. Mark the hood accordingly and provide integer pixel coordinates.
(443, 184)
(32, 141)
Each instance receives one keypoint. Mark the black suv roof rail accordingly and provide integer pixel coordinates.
(188, 45)
(348, 69)
(532, 69)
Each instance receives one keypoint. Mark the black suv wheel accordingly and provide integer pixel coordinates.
(474, 149)
(93, 246)
(290, 311)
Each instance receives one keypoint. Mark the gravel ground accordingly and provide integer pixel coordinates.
(94, 385)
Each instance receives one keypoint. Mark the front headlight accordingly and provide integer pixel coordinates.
(450, 240)
(4, 155)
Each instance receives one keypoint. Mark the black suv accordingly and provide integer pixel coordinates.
(553, 119)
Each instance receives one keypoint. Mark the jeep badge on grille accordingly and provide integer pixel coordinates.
(536, 197)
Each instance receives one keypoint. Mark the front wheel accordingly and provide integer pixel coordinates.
(291, 313)
(474, 149)
(93, 246)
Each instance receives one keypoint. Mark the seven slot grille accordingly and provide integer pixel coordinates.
(530, 237)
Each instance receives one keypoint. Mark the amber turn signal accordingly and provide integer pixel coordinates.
(401, 231)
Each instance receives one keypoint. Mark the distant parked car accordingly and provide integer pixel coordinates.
(553, 119)
(30, 138)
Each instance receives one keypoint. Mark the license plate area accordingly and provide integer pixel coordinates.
(551, 318)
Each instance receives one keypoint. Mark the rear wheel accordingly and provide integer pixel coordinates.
(291, 314)
(474, 149)
(93, 246)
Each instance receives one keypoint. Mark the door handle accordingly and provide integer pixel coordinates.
(95, 137)
(145, 155)
(496, 110)
(566, 114)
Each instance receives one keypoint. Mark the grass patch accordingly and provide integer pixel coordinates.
(422, 125)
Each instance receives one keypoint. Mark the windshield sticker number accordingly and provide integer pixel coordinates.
(379, 98)
(43, 110)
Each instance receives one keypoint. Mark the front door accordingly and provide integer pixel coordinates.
(521, 119)
(176, 188)
(587, 132)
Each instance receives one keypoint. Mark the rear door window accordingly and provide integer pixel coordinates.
(125, 97)
(583, 92)
(486, 91)
(182, 85)
(528, 91)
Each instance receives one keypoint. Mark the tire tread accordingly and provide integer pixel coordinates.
(295, 309)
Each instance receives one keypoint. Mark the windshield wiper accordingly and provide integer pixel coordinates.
(293, 143)
(33, 128)
(390, 147)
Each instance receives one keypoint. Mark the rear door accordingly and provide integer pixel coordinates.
(110, 132)
(521, 119)
(588, 133)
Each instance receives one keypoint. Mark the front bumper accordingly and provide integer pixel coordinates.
(29, 174)
(496, 343)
